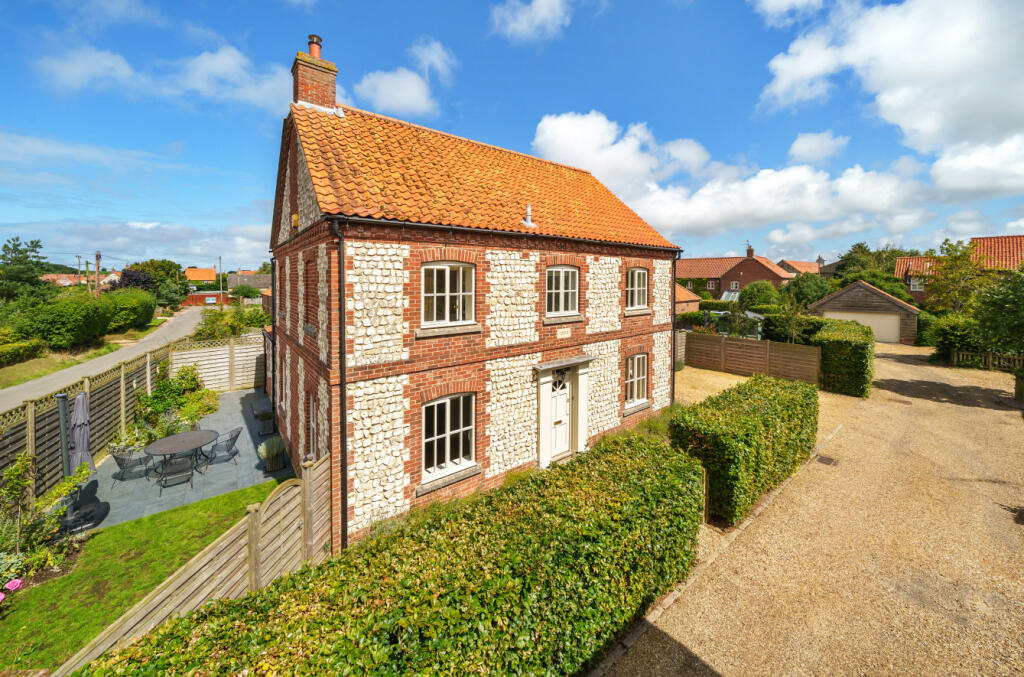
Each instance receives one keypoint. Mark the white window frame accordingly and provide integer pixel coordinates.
(466, 300)
(450, 465)
(917, 283)
(636, 380)
(710, 284)
(689, 284)
(734, 285)
(636, 293)
(565, 295)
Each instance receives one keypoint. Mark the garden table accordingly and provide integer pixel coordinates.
(172, 447)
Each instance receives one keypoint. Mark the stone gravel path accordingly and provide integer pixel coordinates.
(905, 557)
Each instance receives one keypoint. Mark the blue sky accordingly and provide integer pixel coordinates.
(147, 129)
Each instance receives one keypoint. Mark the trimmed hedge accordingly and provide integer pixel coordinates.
(67, 321)
(130, 308)
(951, 332)
(749, 438)
(690, 319)
(717, 305)
(537, 577)
(769, 309)
(924, 322)
(12, 353)
(807, 326)
(847, 357)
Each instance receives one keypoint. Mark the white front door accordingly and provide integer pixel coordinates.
(561, 412)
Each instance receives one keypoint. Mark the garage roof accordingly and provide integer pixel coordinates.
(871, 288)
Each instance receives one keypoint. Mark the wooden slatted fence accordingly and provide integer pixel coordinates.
(989, 360)
(276, 537)
(749, 356)
(224, 364)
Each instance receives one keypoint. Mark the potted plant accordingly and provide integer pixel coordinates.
(271, 452)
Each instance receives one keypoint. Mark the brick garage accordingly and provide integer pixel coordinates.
(892, 320)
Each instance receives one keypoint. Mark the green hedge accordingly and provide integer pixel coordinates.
(690, 319)
(807, 326)
(535, 578)
(847, 357)
(717, 305)
(953, 331)
(769, 309)
(67, 321)
(924, 322)
(12, 353)
(129, 309)
(749, 438)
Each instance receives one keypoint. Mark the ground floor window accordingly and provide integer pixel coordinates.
(448, 434)
(636, 379)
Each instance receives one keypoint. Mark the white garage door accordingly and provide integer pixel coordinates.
(885, 325)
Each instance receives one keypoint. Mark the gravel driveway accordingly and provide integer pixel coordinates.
(905, 557)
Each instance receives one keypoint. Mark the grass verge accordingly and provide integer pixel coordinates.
(45, 625)
(49, 363)
(136, 334)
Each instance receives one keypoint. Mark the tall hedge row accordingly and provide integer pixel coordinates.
(717, 305)
(67, 321)
(534, 578)
(130, 308)
(19, 351)
(847, 357)
(749, 438)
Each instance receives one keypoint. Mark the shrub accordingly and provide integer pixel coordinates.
(749, 438)
(924, 323)
(68, 321)
(130, 308)
(773, 328)
(195, 405)
(12, 353)
(953, 331)
(876, 278)
(221, 324)
(806, 288)
(693, 318)
(537, 577)
(1000, 314)
(847, 357)
(759, 293)
(705, 294)
(766, 309)
(717, 305)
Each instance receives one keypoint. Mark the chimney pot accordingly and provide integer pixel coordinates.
(750, 252)
(315, 42)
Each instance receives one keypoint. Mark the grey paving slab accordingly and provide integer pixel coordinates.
(106, 500)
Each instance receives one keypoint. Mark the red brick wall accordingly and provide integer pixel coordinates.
(745, 272)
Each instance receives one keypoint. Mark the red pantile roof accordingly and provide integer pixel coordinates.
(716, 267)
(1001, 252)
(684, 294)
(64, 279)
(200, 274)
(914, 265)
(368, 165)
(802, 266)
(870, 287)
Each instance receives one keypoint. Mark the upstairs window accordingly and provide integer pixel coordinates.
(447, 294)
(734, 285)
(689, 284)
(312, 301)
(563, 291)
(447, 435)
(917, 284)
(636, 288)
(711, 284)
(636, 379)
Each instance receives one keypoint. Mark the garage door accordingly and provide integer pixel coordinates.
(885, 325)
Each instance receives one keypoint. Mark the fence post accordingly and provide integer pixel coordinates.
(149, 377)
(988, 360)
(956, 356)
(307, 521)
(252, 513)
(768, 358)
(231, 364)
(86, 385)
(721, 353)
(30, 439)
(123, 408)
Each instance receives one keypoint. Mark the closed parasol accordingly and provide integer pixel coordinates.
(80, 433)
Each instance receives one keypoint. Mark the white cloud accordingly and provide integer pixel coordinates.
(804, 233)
(533, 21)
(783, 12)
(36, 150)
(944, 72)
(400, 91)
(981, 170)
(1016, 226)
(95, 14)
(816, 147)
(431, 55)
(224, 74)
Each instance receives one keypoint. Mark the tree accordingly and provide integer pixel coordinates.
(862, 258)
(132, 278)
(245, 291)
(21, 266)
(760, 293)
(159, 269)
(805, 289)
(169, 293)
(1000, 314)
(264, 268)
(957, 278)
(877, 278)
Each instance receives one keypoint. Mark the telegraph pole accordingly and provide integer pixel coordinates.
(88, 285)
(79, 257)
(220, 282)
(96, 291)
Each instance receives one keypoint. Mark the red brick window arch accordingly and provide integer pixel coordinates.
(449, 429)
(636, 288)
(448, 293)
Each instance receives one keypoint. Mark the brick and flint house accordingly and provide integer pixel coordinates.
(720, 274)
(446, 311)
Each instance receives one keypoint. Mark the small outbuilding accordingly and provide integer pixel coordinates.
(892, 320)
(686, 300)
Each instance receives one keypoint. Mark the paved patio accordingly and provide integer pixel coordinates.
(106, 502)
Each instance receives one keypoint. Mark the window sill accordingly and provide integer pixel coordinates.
(452, 330)
(637, 312)
(448, 480)
(563, 319)
(636, 408)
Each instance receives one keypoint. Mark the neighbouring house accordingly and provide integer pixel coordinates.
(257, 280)
(447, 311)
(110, 278)
(64, 279)
(686, 300)
(245, 272)
(728, 273)
(200, 275)
(892, 320)
(797, 267)
(267, 301)
(828, 270)
(207, 298)
(999, 253)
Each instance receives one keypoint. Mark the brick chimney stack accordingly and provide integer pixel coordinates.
(750, 251)
(314, 78)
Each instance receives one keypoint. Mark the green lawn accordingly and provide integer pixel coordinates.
(136, 334)
(47, 624)
(49, 363)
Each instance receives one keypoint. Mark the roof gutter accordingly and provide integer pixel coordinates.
(334, 221)
(464, 229)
